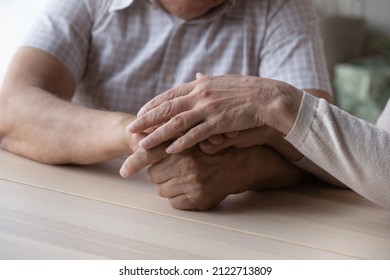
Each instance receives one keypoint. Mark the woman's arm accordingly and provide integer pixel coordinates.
(351, 150)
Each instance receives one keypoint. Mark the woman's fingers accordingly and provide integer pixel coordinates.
(171, 129)
(192, 137)
(159, 115)
(211, 149)
(232, 134)
(178, 91)
(215, 139)
(205, 107)
(243, 139)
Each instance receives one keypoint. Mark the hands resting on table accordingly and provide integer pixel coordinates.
(37, 96)
(235, 151)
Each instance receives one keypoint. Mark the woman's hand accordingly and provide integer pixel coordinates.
(205, 107)
(246, 138)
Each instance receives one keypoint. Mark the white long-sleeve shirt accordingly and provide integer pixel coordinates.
(351, 150)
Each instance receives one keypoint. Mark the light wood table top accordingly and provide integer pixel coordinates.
(90, 212)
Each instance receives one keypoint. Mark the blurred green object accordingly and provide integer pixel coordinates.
(362, 86)
(386, 47)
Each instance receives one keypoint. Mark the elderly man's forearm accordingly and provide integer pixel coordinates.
(40, 126)
(39, 122)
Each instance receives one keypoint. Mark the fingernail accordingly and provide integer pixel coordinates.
(143, 143)
(170, 150)
(146, 144)
(131, 128)
(141, 112)
(123, 173)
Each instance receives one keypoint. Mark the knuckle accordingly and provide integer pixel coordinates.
(190, 165)
(166, 109)
(150, 175)
(158, 135)
(193, 133)
(198, 202)
(204, 88)
(204, 91)
(146, 120)
(204, 202)
(160, 190)
(203, 207)
(179, 203)
(184, 201)
(178, 122)
(171, 94)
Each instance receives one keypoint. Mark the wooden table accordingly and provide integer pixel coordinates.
(73, 212)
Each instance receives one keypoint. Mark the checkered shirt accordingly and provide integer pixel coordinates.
(122, 53)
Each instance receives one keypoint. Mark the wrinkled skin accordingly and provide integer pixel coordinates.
(194, 180)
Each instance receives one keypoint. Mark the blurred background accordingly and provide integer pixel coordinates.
(16, 16)
(356, 39)
(357, 48)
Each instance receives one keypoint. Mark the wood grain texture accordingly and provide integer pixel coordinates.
(73, 212)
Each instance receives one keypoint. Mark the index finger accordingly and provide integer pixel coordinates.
(178, 91)
(142, 158)
(158, 115)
